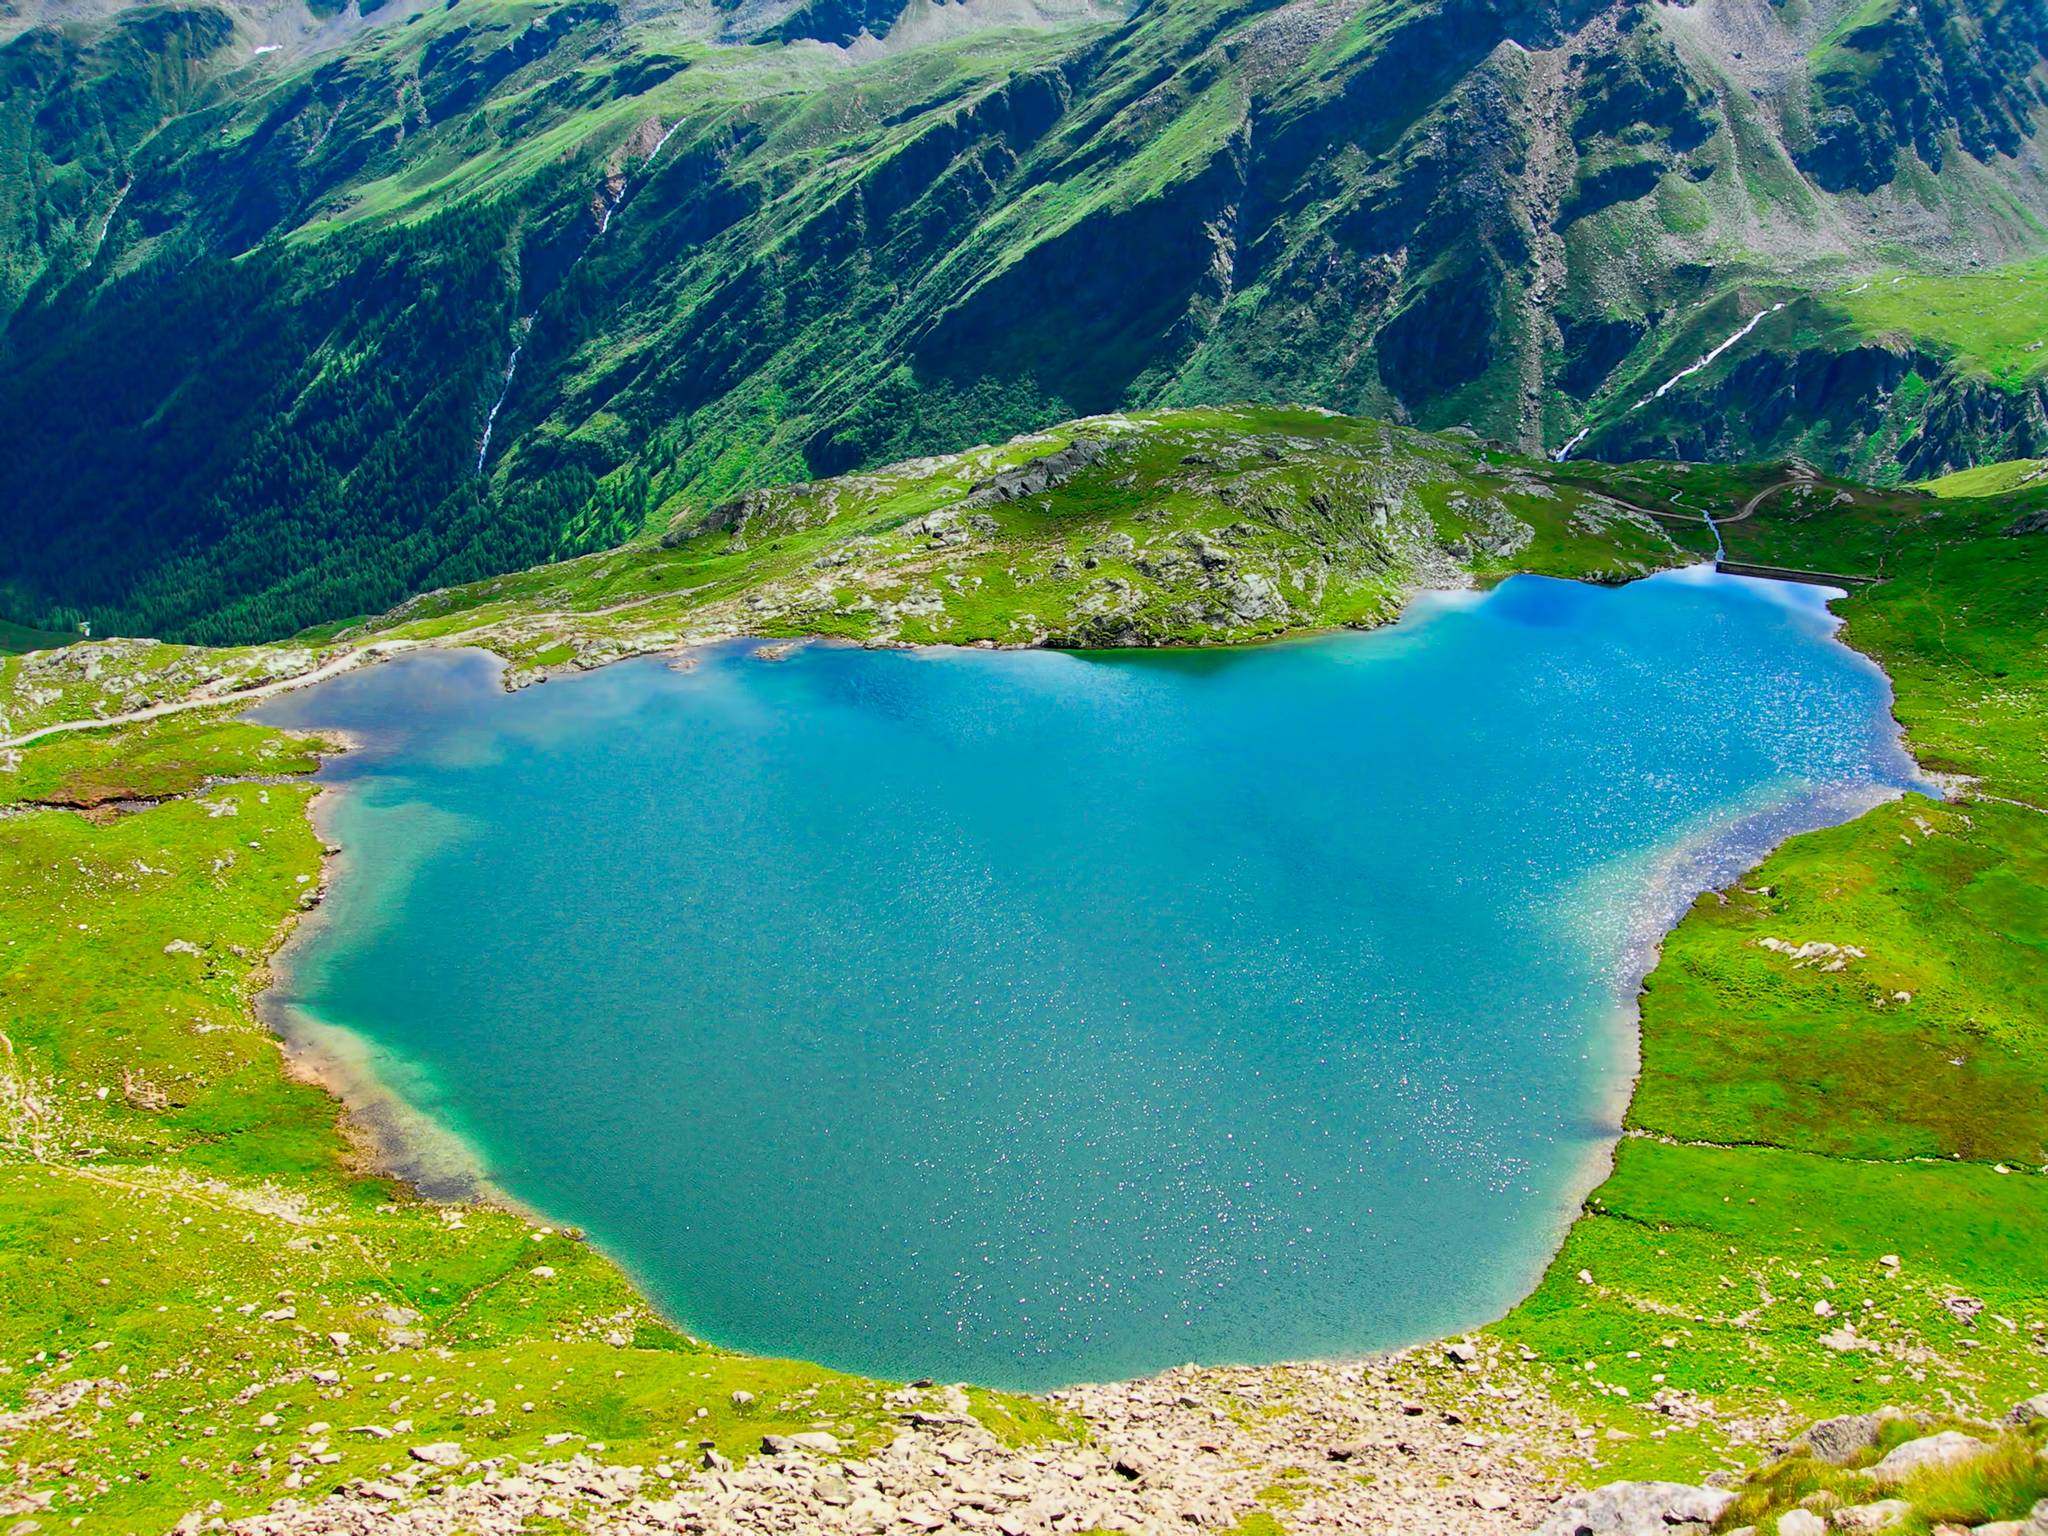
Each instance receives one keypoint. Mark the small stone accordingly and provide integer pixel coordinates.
(440, 1453)
(1867, 1519)
(1464, 1352)
(1801, 1522)
(2035, 1407)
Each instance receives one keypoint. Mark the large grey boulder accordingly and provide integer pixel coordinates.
(1950, 1448)
(815, 1441)
(1801, 1522)
(1840, 1440)
(1638, 1509)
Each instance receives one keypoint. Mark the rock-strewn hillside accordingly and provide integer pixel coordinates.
(290, 335)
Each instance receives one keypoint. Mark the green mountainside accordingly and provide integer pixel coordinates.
(406, 300)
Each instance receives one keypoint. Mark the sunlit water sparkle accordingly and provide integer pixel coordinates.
(1033, 1017)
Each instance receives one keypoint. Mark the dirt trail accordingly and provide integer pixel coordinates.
(343, 663)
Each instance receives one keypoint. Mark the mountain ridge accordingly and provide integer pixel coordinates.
(728, 265)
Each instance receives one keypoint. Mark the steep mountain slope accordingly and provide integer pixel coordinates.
(500, 281)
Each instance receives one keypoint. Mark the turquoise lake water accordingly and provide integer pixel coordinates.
(1029, 1018)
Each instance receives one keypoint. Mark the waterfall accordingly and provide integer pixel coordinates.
(483, 447)
(120, 196)
(604, 218)
(1705, 361)
(604, 222)
(661, 143)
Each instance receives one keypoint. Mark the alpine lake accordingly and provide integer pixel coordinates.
(1029, 1017)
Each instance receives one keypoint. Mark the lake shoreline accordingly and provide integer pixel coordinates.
(404, 1140)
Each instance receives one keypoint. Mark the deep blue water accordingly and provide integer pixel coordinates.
(1031, 1018)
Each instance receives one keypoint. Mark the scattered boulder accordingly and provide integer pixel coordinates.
(2035, 1407)
(1840, 1440)
(1845, 1341)
(1638, 1509)
(2036, 1524)
(815, 1441)
(1867, 1519)
(1801, 1522)
(439, 1453)
(1950, 1448)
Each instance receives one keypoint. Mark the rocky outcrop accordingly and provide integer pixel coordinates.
(1840, 1440)
(1639, 1509)
(1038, 475)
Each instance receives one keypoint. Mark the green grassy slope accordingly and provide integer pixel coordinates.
(1831, 1196)
(1989, 479)
(1191, 526)
(167, 1192)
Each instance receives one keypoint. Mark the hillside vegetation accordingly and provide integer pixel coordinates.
(285, 337)
(1830, 1196)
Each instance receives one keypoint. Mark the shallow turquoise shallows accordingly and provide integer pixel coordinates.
(1032, 1018)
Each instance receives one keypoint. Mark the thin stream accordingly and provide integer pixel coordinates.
(1706, 360)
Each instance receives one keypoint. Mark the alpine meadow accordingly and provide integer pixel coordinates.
(1024, 766)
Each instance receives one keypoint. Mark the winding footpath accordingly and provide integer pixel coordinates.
(345, 662)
